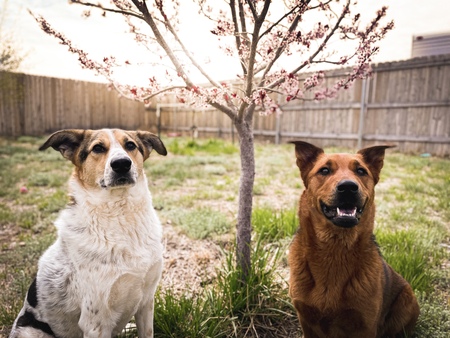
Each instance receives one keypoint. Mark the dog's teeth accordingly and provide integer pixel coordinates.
(343, 213)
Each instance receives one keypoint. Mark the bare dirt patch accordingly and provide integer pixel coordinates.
(189, 264)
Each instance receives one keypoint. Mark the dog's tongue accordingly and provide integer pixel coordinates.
(347, 212)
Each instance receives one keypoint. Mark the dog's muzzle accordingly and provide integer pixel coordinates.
(119, 174)
(347, 206)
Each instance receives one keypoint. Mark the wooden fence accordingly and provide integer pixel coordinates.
(34, 105)
(404, 103)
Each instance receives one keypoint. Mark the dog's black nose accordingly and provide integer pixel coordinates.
(121, 165)
(347, 186)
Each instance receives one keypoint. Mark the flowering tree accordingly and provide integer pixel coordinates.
(273, 41)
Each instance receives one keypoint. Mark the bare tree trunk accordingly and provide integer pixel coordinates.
(244, 219)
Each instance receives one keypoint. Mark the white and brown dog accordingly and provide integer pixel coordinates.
(105, 265)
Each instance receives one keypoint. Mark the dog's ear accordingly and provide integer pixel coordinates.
(65, 141)
(374, 158)
(307, 155)
(151, 141)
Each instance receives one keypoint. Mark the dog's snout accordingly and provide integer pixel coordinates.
(347, 186)
(121, 165)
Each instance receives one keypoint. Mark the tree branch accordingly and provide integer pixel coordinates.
(251, 61)
(325, 41)
(228, 111)
(142, 7)
(185, 50)
(319, 49)
(243, 23)
(112, 10)
(252, 8)
(268, 30)
(282, 47)
(236, 28)
(162, 91)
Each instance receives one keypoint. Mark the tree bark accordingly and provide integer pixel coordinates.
(244, 219)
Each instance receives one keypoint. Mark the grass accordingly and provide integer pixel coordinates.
(211, 146)
(416, 255)
(201, 223)
(227, 309)
(274, 225)
(195, 188)
(17, 270)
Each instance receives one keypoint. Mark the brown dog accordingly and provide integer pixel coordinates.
(339, 283)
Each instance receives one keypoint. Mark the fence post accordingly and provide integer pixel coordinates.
(158, 116)
(219, 125)
(232, 131)
(278, 123)
(362, 111)
(277, 126)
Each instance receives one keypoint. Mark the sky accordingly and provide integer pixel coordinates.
(100, 37)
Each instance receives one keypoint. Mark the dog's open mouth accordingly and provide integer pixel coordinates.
(345, 215)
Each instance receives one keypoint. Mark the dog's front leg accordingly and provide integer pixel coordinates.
(92, 325)
(144, 315)
(144, 320)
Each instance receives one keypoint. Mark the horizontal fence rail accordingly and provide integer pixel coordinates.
(406, 103)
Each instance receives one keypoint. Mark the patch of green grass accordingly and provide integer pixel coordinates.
(413, 254)
(6, 214)
(207, 195)
(184, 316)
(201, 223)
(46, 179)
(273, 225)
(191, 147)
(54, 202)
(434, 319)
(176, 170)
(27, 219)
(18, 276)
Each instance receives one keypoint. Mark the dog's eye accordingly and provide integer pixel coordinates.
(324, 171)
(361, 172)
(98, 149)
(130, 146)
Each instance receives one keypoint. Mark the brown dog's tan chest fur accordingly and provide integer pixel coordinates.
(339, 283)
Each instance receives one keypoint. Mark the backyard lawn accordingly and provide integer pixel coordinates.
(194, 191)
